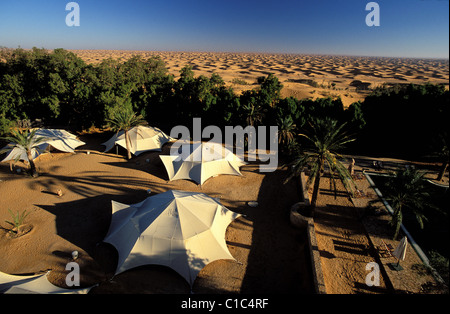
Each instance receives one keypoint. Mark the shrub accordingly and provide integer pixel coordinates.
(17, 220)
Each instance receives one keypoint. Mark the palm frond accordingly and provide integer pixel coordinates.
(298, 165)
(24, 140)
(324, 138)
(125, 119)
(406, 189)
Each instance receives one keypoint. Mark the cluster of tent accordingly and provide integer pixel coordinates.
(58, 139)
(205, 160)
(181, 230)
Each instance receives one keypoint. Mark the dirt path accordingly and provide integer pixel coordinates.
(348, 239)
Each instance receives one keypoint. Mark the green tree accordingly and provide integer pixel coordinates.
(225, 110)
(402, 120)
(5, 125)
(323, 141)
(56, 86)
(252, 110)
(406, 189)
(289, 106)
(270, 91)
(144, 81)
(124, 119)
(147, 81)
(286, 131)
(188, 94)
(25, 142)
(354, 116)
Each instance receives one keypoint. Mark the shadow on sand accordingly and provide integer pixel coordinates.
(279, 259)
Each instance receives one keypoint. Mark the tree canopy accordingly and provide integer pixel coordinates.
(60, 89)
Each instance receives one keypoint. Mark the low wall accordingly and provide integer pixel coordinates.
(307, 223)
(411, 240)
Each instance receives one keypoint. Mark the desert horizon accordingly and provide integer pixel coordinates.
(349, 77)
(302, 75)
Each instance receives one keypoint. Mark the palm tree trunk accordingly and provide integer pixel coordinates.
(127, 143)
(316, 186)
(442, 171)
(396, 221)
(32, 165)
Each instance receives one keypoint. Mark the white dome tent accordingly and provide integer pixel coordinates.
(35, 284)
(205, 160)
(142, 139)
(181, 230)
(58, 139)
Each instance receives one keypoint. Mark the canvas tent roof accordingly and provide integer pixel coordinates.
(204, 160)
(142, 139)
(37, 284)
(181, 230)
(58, 139)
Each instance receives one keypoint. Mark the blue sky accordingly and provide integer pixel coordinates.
(408, 28)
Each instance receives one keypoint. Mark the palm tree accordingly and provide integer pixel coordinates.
(286, 133)
(254, 113)
(251, 110)
(325, 139)
(124, 120)
(406, 188)
(25, 142)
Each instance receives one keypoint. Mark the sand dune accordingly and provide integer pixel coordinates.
(303, 76)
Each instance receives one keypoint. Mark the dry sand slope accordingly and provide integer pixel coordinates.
(302, 76)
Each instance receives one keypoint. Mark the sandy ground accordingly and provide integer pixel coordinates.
(342, 243)
(271, 255)
(349, 237)
(333, 76)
